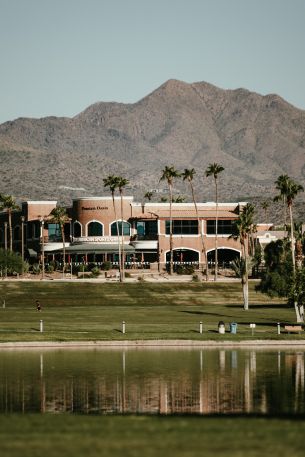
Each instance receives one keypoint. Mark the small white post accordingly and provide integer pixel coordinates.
(200, 327)
(41, 326)
(3, 304)
(252, 326)
(278, 328)
(123, 327)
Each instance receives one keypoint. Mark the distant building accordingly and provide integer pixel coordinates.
(91, 235)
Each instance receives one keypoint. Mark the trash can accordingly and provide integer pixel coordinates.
(221, 327)
(233, 327)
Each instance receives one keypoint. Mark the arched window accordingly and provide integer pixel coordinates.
(126, 228)
(95, 229)
(77, 229)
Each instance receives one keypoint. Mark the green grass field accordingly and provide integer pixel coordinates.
(94, 311)
(146, 436)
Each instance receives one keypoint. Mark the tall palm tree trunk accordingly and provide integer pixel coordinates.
(201, 234)
(292, 240)
(245, 278)
(299, 309)
(171, 261)
(216, 232)
(118, 234)
(63, 248)
(122, 239)
(10, 228)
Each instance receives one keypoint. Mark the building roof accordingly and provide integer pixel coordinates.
(192, 214)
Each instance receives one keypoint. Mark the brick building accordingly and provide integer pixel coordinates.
(91, 235)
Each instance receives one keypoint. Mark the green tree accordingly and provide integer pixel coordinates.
(289, 189)
(112, 182)
(188, 175)
(11, 262)
(60, 217)
(169, 174)
(8, 204)
(281, 185)
(243, 229)
(265, 205)
(122, 182)
(148, 195)
(277, 279)
(280, 279)
(179, 199)
(214, 169)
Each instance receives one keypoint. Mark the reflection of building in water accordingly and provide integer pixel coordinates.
(207, 382)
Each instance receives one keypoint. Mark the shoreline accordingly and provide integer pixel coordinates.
(155, 344)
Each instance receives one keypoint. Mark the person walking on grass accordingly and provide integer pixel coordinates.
(38, 306)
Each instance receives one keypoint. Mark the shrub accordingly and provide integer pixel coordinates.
(106, 266)
(95, 272)
(36, 270)
(185, 269)
(49, 268)
(11, 262)
(79, 269)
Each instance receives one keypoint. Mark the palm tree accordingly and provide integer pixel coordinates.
(59, 216)
(299, 240)
(214, 169)
(179, 199)
(122, 182)
(281, 184)
(112, 182)
(168, 174)
(148, 195)
(265, 205)
(244, 226)
(8, 204)
(188, 176)
(289, 189)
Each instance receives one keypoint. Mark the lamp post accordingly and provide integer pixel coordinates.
(42, 246)
(22, 244)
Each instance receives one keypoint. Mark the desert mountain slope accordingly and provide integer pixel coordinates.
(256, 138)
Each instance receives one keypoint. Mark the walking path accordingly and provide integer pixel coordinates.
(157, 344)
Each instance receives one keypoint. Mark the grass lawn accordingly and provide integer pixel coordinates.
(146, 436)
(94, 311)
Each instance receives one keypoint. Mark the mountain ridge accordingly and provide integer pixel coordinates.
(255, 137)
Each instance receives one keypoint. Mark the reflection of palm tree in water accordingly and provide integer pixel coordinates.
(299, 379)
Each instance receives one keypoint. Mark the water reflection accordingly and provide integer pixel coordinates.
(152, 382)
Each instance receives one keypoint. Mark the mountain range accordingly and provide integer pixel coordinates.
(256, 138)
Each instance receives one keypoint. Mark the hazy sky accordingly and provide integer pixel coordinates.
(59, 56)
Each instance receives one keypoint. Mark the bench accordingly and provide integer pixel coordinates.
(293, 328)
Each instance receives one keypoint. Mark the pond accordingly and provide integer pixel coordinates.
(149, 381)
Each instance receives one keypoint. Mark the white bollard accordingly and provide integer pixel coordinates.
(41, 325)
(200, 327)
(123, 327)
(278, 328)
(252, 326)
